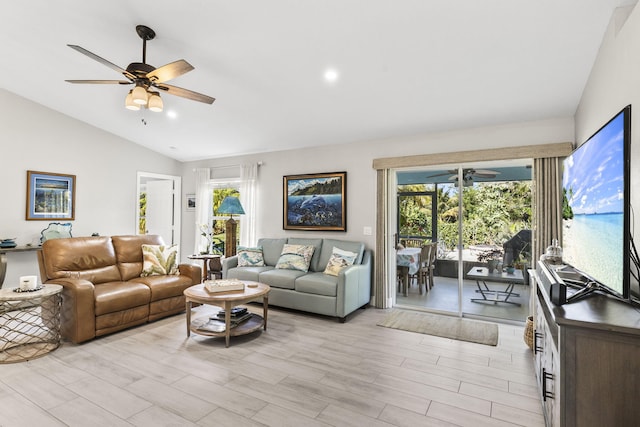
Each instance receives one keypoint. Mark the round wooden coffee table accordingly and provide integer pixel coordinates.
(227, 300)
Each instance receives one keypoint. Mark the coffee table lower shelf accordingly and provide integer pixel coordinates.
(250, 325)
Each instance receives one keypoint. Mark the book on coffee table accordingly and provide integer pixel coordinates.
(235, 318)
(209, 325)
(224, 285)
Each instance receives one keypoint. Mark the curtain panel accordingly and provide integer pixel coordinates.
(547, 196)
(203, 204)
(248, 197)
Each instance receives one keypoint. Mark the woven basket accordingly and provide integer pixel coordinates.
(528, 332)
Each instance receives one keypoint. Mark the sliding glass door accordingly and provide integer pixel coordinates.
(481, 220)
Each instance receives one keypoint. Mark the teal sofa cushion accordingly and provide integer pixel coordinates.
(271, 250)
(317, 283)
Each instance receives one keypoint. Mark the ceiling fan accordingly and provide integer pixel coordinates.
(146, 77)
(468, 175)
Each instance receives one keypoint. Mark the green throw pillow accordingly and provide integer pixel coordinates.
(339, 259)
(250, 257)
(295, 257)
(159, 260)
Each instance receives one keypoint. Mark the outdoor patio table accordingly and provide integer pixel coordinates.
(481, 274)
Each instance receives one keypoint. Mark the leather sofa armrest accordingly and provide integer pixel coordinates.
(191, 270)
(78, 309)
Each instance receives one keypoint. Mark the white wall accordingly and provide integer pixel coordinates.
(614, 83)
(357, 160)
(33, 137)
(36, 138)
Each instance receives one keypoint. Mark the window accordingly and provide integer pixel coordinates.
(417, 213)
(217, 233)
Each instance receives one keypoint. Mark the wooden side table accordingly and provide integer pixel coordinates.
(29, 323)
(205, 259)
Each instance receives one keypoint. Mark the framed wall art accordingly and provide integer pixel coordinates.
(190, 202)
(50, 196)
(315, 202)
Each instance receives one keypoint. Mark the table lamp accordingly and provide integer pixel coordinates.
(231, 206)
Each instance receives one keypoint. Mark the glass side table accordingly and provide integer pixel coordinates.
(29, 323)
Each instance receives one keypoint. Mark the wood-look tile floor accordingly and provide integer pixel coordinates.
(304, 370)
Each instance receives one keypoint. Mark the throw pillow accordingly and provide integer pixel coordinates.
(250, 257)
(159, 260)
(339, 260)
(295, 257)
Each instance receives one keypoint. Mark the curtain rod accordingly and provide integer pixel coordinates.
(260, 163)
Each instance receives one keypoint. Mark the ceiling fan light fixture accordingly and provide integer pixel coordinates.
(155, 102)
(139, 95)
(129, 104)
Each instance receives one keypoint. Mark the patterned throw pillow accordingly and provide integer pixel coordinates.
(250, 257)
(295, 257)
(339, 260)
(159, 260)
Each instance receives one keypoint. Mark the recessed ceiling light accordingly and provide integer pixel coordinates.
(331, 75)
(172, 114)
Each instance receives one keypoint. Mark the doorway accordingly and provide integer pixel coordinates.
(158, 206)
(478, 207)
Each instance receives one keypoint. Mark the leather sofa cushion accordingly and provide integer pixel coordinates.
(317, 283)
(129, 253)
(164, 286)
(271, 249)
(89, 258)
(116, 296)
(279, 278)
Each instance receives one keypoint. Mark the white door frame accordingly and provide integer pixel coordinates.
(143, 177)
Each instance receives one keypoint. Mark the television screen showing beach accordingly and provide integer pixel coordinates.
(593, 208)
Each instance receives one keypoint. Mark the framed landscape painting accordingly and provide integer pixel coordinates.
(315, 202)
(50, 196)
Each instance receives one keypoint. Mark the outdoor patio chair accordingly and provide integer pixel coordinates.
(428, 258)
(412, 243)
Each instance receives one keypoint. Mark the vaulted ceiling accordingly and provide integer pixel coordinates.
(401, 67)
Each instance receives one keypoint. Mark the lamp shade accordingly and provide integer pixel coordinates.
(231, 205)
(129, 104)
(155, 102)
(139, 95)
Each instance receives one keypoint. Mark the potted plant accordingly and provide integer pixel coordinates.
(492, 257)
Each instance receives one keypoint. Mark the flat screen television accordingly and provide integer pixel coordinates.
(596, 207)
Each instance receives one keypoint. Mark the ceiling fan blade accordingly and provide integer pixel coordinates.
(185, 93)
(485, 175)
(101, 82)
(102, 61)
(441, 174)
(170, 71)
(485, 172)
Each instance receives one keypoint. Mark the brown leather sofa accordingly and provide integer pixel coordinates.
(102, 288)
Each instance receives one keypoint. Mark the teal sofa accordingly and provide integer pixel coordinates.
(313, 291)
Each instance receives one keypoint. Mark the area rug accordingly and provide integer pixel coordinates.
(442, 326)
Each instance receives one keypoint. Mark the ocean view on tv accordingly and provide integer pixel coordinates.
(593, 216)
(605, 257)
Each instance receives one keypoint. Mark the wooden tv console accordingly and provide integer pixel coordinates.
(587, 358)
